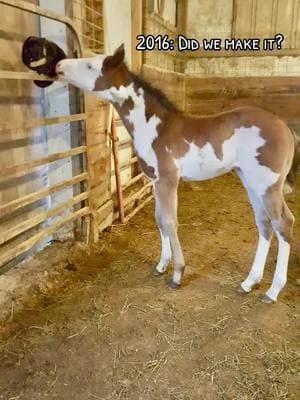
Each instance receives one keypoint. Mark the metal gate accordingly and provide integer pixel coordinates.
(82, 192)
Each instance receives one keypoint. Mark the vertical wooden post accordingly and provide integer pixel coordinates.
(136, 29)
(114, 140)
(161, 8)
(234, 16)
(92, 225)
(181, 16)
(98, 152)
(98, 160)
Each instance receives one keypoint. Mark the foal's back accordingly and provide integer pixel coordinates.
(245, 138)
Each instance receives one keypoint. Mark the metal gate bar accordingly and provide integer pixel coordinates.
(36, 196)
(42, 12)
(13, 232)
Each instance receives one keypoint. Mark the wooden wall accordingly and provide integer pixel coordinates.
(161, 23)
(203, 96)
(96, 126)
(220, 81)
(171, 83)
(280, 95)
(244, 19)
(255, 18)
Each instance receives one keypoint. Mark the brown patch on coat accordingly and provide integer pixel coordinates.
(177, 131)
(147, 169)
(291, 178)
(124, 111)
(278, 211)
(276, 153)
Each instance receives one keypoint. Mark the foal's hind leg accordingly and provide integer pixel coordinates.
(264, 227)
(282, 222)
(165, 191)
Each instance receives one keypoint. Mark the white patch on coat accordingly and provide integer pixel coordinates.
(144, 132)
(84, 72)
(166, 253)
(201, 163)
(240, 151)
(258, 177)
(117, 95)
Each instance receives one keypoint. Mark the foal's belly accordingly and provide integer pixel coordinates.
(202, 163)
(200, 175)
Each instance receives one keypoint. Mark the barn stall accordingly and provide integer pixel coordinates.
(82, 314)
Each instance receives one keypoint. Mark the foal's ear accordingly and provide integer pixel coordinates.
(116, 59)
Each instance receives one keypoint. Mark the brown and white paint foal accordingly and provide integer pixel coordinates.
(171, 145)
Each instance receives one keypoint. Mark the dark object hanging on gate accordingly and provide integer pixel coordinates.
(41, 55)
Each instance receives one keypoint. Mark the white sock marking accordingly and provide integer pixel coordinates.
(257, 268)
(177, 277)
(165, 253)
(280, 275)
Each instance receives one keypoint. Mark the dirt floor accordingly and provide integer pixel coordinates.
(107, 328)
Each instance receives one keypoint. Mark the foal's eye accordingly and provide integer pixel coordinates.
(89, 66)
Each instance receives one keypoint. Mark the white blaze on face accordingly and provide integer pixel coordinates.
(82, 72)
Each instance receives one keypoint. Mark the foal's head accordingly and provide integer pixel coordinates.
(98, 73)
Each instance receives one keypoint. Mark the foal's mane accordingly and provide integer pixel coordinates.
(152, 91)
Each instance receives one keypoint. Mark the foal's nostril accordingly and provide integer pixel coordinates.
(58, 69)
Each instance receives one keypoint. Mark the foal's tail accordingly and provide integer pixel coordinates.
(290, 182)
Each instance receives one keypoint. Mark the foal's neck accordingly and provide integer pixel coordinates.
(138, 103)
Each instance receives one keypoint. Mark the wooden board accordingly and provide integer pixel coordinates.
(98, 158)
(22, 247)
(171, 83)
(280, 95)
(33, 197)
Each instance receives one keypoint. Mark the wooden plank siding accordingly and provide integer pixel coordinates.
(202, 96)
(280, 95)
(171, 83)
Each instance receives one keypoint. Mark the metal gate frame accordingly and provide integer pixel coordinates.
(88, 212)
(29, 165)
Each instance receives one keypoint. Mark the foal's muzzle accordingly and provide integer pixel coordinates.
(59, 70)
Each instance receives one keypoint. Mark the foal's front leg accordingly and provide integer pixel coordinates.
(166, 253)
(165, 191)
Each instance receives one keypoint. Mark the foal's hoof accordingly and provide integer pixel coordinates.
(242, 290)
(173, 285)
(266, 299)
(158, 273)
